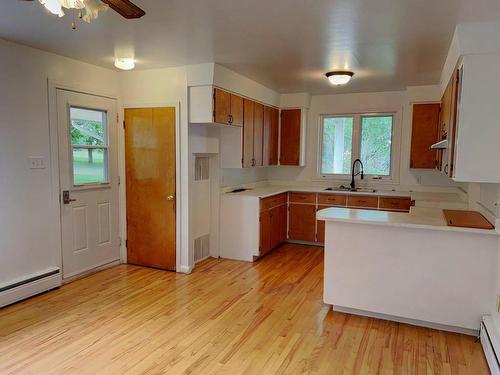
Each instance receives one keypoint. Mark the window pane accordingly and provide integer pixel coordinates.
(88, 127)
(337, 145)
(89, 165)
(376, 139)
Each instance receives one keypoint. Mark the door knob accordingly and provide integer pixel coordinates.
(170, 198)
(66, 198)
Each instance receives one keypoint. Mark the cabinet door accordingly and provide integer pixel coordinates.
(222, 106)
(275, 135)
(267, 134)
(320, 227)
(236, 110)
(265, 232)
(302, 221)
(425, 125)
(283, 229)
(248, 133)
(275, 239)
(290, 137)
(258, 128)
(452, 134)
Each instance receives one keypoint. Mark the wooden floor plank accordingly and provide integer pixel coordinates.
(227, 317)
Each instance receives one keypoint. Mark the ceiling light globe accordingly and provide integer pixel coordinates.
(338, 78)
(125, 63)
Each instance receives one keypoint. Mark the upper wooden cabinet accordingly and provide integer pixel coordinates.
(292, 137)
(248, 133)
(258, 134)
(425, 126)
(228, 108)
(270, 144)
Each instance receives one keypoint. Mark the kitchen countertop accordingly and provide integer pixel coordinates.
(422, 199)
(418, 217)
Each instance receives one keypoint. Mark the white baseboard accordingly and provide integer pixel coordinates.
(185, 269)
(33, 288)
(413, 322)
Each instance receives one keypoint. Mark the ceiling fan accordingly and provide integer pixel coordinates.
(88, 10)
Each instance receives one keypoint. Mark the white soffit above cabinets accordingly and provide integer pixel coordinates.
(287, 45)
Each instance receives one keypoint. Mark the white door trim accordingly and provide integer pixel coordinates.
(178, 192)
(55, 211)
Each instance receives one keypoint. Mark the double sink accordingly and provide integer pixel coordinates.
(355, 190)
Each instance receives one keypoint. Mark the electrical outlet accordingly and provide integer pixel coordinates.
(498, 303)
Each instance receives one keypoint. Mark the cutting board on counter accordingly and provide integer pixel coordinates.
(466, 219)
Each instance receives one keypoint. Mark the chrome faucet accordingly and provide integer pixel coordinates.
(353, 183)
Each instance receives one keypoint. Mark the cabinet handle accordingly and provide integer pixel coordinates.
(230, 119)
(446, 169)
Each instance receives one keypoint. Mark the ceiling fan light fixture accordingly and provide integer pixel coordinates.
(53, 6)
(339, 77)
(125, 63)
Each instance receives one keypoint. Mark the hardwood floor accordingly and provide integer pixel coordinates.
(227, 317)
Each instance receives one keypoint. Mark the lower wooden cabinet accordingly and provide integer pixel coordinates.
(302, 222)
(273, 226)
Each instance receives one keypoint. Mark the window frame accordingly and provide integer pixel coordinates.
(105, 147)
(357, 117)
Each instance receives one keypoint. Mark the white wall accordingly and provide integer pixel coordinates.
(28, 222)
(399, 102)
(166, 87)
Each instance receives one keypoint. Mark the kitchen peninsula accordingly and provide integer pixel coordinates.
(408, 267)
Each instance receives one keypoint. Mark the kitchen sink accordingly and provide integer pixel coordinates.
(355, 190)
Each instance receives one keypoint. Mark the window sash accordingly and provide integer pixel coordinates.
(356, 144)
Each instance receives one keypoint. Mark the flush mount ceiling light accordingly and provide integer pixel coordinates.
(339, 77)
(125, 63)
(88, 10)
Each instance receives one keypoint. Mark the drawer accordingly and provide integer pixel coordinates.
(270, 202)
(332, 199)
(302, 197)
(362, 201)
(395, 203)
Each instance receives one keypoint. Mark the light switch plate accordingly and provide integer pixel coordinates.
(37, 162)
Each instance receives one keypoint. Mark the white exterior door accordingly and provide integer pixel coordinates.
(88, 168)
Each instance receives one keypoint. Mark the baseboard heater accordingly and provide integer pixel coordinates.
(29, 286)
(490, 342)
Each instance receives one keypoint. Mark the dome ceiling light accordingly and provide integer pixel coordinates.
(339, 77)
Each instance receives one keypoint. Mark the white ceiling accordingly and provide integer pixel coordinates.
(286, 45)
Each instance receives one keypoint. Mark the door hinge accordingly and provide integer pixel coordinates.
(126, 243)
(119, 180)
(120, 241)
(123, 124)
(117, 117)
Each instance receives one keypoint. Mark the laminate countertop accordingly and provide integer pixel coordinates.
(418, 217)
(422, 199)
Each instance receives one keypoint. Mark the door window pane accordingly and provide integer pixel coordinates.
(89, 165)
(89, 146)
(337, 145)
(376, 142)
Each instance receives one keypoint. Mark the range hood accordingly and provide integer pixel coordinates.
(440, 145)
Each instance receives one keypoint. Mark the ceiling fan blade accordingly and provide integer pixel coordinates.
(126, 8)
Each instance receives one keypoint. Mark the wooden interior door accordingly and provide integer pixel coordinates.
(222, 106)
(425, 125)
(290, 137)
(258, 128)
(248, 111)
(150, 179)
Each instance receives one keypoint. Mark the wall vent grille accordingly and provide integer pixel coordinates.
(201, 168)
(201, 248)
